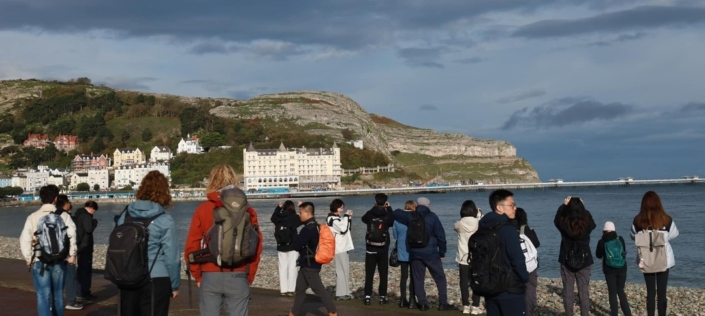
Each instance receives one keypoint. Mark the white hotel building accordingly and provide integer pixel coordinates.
(302, 168)
(133, 175)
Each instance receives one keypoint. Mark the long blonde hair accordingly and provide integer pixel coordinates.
(221, 176)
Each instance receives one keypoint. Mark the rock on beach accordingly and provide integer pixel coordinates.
(681, 300)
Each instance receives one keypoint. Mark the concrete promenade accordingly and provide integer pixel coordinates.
(17, 297)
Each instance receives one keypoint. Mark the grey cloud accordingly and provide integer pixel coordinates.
(694, 107)
(619, 39)
(471, 60)
(246, 94)
(421, 57)
(637, 18)
(127, 83)
(428, 107)
(196, 81)
(209, 48)
(522, 96)
(579, 112)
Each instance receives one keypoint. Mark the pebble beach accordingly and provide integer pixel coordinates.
(681, 301)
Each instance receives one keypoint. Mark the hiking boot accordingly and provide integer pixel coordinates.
(367, 300)
(412, 304)
(403, 303)
(423, 307)
(476, 310)
(446, 307)
(74, 307)
(383, 300)
(466, 309)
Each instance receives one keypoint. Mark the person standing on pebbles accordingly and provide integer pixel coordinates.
(378, 220)
(613, 253)
(340, 223)
(399, 232)
(286, 221)
(465, 227)
(528, 236)
(575, 223)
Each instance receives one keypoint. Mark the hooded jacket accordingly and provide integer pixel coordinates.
(201, 222)
(513, 255)
(465, 227)
(388, 215)
(85, 225)
(399, 232)
(567, 238)
(283, 218)
(162, 232)
(340, 226)
(436, 246)
(600, 253)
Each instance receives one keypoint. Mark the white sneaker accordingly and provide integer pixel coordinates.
(476, 310)
(466, 309)
(75, 307)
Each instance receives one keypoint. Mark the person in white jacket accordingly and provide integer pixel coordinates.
(467, 225)
(48, 278)
(653, 216)
(340, 225)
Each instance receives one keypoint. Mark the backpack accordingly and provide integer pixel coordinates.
(416, 235)
(651, 248)
(325, 252)
(614, 253)
(377, 232)
(127, 260)
(232, 240)
(576, 257)
(489, 275)
(52, 239)
(530, 253)
(283, 235)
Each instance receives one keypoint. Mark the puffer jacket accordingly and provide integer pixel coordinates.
(465, 227)
(162, 232)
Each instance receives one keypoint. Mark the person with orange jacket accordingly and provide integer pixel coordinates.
(228, 288)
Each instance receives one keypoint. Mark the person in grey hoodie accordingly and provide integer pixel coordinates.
(152, 197)
(465, 227)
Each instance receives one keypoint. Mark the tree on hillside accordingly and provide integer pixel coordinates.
(146, 135)
(83, 187)
(124, 136)
(212, 139)
(97, 145)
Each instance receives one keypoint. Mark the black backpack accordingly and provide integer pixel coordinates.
(377, 232)
(52, 244)
(284, 235)
(127, 262)
(576, 256)
(416, 234)
(489, 274)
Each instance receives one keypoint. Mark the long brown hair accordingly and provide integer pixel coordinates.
(651, 213)
(154, 188)
(410, 205)
(221, 176)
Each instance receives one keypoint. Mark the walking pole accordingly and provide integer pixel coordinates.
(188, 275)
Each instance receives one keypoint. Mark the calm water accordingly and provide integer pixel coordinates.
(617, 204)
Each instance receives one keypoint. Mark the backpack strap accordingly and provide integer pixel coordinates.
(521, 229)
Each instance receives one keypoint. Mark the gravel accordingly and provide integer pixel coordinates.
(681, 301)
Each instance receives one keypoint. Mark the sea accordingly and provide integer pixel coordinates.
(616, 204)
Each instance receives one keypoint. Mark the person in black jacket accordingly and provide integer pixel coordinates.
(70, 283)
(510, 302)
(309, 275)
(615, 277)
(575, 223)
(85, 225)
(286, 221)
(377, 256)
(521, 219)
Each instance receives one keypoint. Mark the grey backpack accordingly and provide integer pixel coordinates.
(651, 249)
(52, 239)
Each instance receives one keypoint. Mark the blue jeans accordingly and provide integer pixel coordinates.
(70, 284)
(49, 283)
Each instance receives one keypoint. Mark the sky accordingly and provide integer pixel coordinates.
(586, 90)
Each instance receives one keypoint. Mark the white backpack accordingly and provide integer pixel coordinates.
(530, 253)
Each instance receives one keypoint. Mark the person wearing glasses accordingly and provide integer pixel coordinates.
(511, 301)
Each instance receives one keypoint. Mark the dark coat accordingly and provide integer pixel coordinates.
(85, 225)
(600, 253)
(567, 238)
(306, 244)
(379, 212)
(514, 259)
(437, 246)
(528, 231)
(282, 218)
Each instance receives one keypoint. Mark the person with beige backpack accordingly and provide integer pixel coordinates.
(652, 231)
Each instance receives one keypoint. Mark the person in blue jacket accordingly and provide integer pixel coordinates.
(430, 256)
(399, 232)
(511, 301)
(151, 199)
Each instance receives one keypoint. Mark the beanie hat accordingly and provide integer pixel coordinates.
(423, 201)
(609, 227)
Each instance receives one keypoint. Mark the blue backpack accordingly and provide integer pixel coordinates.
(614, 253)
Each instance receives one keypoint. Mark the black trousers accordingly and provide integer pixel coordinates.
(465, 286)
(405, 269)
(84, 271)
(139, 302)
(656, 283)
(376, 261)
(310, 278)
(615, 288)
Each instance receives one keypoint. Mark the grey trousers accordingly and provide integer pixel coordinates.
(569, 279)
(530, 296)
(310, 278)
(342, 274)
(228, 290)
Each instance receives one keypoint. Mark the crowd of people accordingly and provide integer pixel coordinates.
(224, 246)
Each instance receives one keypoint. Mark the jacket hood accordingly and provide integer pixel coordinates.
(378, 211)
(144, 209)
(215, 198)
(423, 209)
(80, 212)
(609, 236)
(490, 219)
